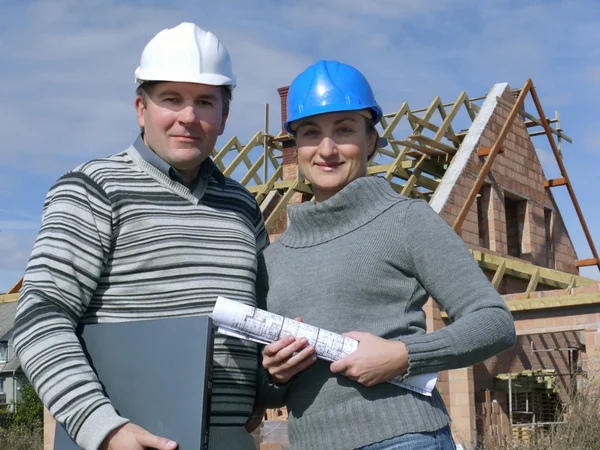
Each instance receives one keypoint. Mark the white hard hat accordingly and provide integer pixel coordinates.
(186, 54)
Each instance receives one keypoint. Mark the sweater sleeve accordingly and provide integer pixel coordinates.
(62, 274)
(482, 325)
(261, 234)
(268, 393)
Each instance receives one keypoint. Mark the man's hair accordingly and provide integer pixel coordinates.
(143, 91)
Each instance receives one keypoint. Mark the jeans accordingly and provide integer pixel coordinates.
(437, 440)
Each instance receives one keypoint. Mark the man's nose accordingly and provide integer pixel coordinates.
(188, 115)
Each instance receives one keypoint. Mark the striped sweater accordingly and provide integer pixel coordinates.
(121, 241)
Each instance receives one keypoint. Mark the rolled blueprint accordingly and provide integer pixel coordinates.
(247, 322)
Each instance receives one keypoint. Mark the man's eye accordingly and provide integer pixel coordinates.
(171, 100)
(205, 103)
(309, 133)
(345, 130)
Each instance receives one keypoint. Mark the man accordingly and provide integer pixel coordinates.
(154, 231)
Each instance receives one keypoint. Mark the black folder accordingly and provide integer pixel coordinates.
(157, 373)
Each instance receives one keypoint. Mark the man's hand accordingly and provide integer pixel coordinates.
(375, 361)
(281, 362)
(132, 437)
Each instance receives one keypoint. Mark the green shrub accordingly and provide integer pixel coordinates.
(30, 410)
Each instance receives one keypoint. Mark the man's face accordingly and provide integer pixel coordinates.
(182, 121)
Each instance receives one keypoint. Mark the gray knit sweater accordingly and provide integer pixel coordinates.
(367, 259)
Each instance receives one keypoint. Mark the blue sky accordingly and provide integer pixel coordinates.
(66, 78)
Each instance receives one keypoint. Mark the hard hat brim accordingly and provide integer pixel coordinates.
(207, 78)
(325, 109)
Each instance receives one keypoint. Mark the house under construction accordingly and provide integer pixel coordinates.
(475, 162)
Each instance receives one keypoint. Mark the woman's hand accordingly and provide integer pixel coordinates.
(286, 357)
(375, 361)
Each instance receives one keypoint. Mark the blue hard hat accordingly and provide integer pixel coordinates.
(329, 86)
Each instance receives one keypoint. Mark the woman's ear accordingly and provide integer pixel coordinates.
(373, 138)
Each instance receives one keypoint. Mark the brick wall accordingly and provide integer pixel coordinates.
(290, 172)
(517, 180)
(544, 339)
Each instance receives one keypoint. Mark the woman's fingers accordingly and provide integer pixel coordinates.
(281, 353)
(286, 357)
(299, 366)
(298, 357)
(273, 348)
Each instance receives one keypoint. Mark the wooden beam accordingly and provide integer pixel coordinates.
(16, 288)
(535, 279)
(491, 157)
(280, 206)
(571, 285)
(429, 112)
(388, 128)
(531, 123)
(433, 143)
(537, 121)
(422, 149)
(9, 298)
(383, 168)
(242, 156)
(560, 301)
(398, 169)
(282, 185)
(386, 152)
(563, 172)
(410, 183)
(555, 182)
(431, 127)
(446, 127)
(233, 141)
(524, 271)
(499, 275)
(485, 151)
(264, 190)
(586, 262)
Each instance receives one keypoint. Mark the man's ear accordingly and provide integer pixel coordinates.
(140, 109)
(223, 121)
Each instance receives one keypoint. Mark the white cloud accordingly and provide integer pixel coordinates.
(354, 15)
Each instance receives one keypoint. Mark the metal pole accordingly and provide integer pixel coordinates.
(266, 145)
(510, 404)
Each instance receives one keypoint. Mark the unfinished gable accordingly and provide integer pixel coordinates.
(515, 214)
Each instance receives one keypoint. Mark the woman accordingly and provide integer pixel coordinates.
(362, 257)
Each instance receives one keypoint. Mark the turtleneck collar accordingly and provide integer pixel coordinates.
(354, 206)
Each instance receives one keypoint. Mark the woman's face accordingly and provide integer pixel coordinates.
(333, 150)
